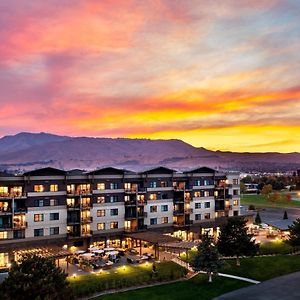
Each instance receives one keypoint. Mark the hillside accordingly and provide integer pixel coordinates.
(29, 151)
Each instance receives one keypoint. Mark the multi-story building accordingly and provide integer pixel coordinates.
(75, 208)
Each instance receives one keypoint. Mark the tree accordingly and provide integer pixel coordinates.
(285, 215)
(294, 239)
(35, 278)
(257, 219)
(275, 197)
(234, 239)
(243, 188)
(267, 190)
(288, 197)
(207, 257)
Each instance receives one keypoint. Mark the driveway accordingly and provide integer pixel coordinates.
(281, 288)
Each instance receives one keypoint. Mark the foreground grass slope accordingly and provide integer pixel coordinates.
(261, 201)
(196, 288)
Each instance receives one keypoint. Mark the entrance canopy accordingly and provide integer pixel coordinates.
(54, 252)
(153, 237)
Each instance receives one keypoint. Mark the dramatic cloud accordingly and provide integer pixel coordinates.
(218, 74)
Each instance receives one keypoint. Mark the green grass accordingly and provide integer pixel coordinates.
(261, 201)
(275, 247)
(196, 288)
(124, 277)
(263, 268)
(189, 256)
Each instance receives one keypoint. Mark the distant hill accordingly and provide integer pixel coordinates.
(26, 151)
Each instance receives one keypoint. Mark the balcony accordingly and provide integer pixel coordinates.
(73, 206)
(6, 227)
(131, 191)
(178, 200)
(86, 205)
(5, 211)
(86, 220)
(178, 212)
(73, 235)
(20, 210)
(22, 225)
(187, 199)
(130, 203)
(142, 214)
(71, 221)
(141, 203)
(87, 233)
(188, 211)
(130, 216)
(79, 192)
(12, 195)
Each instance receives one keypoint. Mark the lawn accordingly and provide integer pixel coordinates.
(261, 201)
(196, 288)
(124, 277)
(275, 247)
(263, 268)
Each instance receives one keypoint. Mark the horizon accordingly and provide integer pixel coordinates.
(222, 75)
(137, 138)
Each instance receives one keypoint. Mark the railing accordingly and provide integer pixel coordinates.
(131, 203)
(178, 212)
(131, 190)
(87, 220)
(188, 211)
(87, 233)
(20, 210)
(130, 216)
(12, 195)
(6, 211)
(73, 234)
(85, 205)
(142, 214)
(79, 192)
(73, 221)
(22, 225)
(73, 206)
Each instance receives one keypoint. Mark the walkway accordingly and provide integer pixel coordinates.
(281, 288)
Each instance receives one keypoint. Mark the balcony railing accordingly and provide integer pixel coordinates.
(20, 210)
(22, 225)
(73, 234)
(7, 210)
(73, 206)
(131, 191)
(142, 214)
(131, 203)
(71, 221)
(87, 220)
(188, 210)
(85, 205)
(87, 233)
(178, 212)
(12, 195)
(79, 192)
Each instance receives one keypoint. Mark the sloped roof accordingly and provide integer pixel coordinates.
(45, 172)
(201, 170)
(159, 170)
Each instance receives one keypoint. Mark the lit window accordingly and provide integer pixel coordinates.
(235, 202)
(206, 194)
(38, 188)
(3, 235)
(153, 208)
(100, 226)
(164, 220)
(101, 186)
(101, 199)
(53, 187)
(101, 213)
(197, 194)
(113, 225)
(38, 217)
(153, 197)
(3, 191)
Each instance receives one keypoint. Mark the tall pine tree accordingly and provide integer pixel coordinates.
(207, 257)
(235, 241)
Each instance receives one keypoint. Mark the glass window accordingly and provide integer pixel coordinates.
(153, 221)
(54, 230)
(101, 213)
(206, 194)
(206, 182)
(3, 235)
(113, 225)
(164, 220)
(101, 186)
(101, 199)
(235, 181)
(38, 203)
(207, 216)
(152, 197)
(153, 184)
(164, 208)
(39, 232)
(38, 217)
(53, 187)
(197, 217)
(114, 212)
(100, 226)
(38, 188)
(197, 194)
(197, 205)
(207, 204)
(235, 202)
(153, 208)
(235, 192)
(53, 202)
(197, 183)
(114, 199)
(54, 216)
(163, 183)
(113, 185)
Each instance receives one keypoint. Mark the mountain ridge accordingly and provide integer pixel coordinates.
(26, 150)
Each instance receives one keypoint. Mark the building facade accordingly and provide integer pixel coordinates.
(51, 206)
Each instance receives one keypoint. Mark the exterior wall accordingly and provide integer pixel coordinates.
(159, 214)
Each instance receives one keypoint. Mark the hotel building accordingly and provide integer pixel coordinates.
(49, 206)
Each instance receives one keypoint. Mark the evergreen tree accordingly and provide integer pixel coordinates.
(35, 278)
(234, 239)
(257, 219)
(285, 215)
(207, 257)
(294, 237)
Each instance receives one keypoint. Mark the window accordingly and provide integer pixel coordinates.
(153, 208)
(54, 230)
(197, 194)
(101, 186)
(197, 205)
(54, 216)
(235, 202)
(114, 199)
(164, 196)
(113, 225)
(38, 203)
(38, 188)
(53, 187)
(207, 216)
(153, 221)
(141, 198)
(3, 235)
(100, 226)
(17, 191)
(164, 220)
(163, 184)
(53, 202)
(38, 217)
(197, 183)
(206, 194)
(84, 188)
(164, 208)
(197, 217)
(235, 181)
(3, 191)
(71, 189)
(126, 198)
(19, 234)
(207, 204)
(101, 199)
(39, 232)
(152, 197)
(101, 213)
(235, 213)
(153, 184)
(206, 182)
(114, 212)
(113, 185)
(235, 192)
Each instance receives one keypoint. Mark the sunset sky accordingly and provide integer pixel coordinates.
(222, 74)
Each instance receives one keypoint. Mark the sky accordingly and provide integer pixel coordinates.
(222, 74)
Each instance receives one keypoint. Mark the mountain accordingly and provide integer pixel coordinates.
(26, 151)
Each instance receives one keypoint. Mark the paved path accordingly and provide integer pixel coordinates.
(281, 288)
